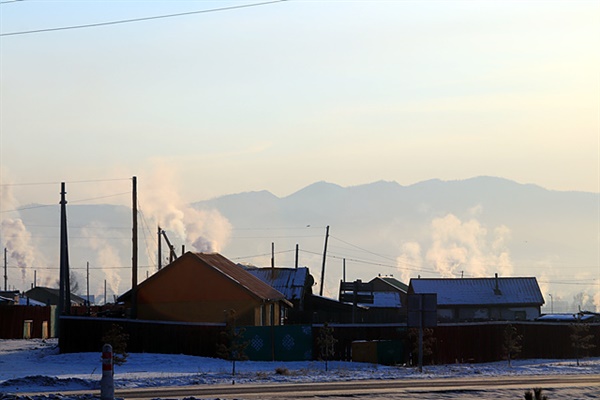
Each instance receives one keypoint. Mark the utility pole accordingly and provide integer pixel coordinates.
(324, 257)
(134, 251)
(64, 306)
(296, 260)
(87, 279)
(272, 254)
(159, 248)
(344, 271)
(5, 270)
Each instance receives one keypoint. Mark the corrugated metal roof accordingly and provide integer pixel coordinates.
(394, 282)
(289, 281)
(385, 300)
(240, 275)
(480, 291)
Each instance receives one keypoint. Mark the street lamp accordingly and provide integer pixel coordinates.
(551, 303)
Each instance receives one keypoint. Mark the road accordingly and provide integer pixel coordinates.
(560, 386)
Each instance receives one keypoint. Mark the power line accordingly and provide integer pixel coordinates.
(69, 182)
(126, 21)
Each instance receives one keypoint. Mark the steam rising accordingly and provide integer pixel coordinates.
(205, 230)
(460, 247)
(106, 257)
(15, 236)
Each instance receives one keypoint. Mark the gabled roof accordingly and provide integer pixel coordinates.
(42, 294)
(480, 291)
(232, 271)
(238, 274)
(393, 282)
(289, 281)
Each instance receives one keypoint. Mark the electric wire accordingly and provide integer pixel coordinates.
(126, 21)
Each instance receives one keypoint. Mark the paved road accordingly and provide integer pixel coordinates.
(587, 385)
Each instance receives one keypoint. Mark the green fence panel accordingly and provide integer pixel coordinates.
(279, 343)
(390, 352)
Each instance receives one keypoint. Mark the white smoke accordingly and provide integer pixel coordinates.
(106, 257)
(460, 248)
(205, 230)
(410, 260)
(15, 236)
(17, 241)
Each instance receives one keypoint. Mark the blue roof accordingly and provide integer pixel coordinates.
(480, 291)
(289, 281)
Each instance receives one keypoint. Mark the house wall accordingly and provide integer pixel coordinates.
(193, 292)
(448, 314)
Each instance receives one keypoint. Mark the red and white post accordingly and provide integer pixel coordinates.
(107, 384)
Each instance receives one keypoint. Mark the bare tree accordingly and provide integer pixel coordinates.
(511, 343)
(581, 339)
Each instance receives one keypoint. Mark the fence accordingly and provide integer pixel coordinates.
(469, 342)
(27, 322)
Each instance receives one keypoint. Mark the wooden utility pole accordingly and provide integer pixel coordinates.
(64, 306)
(5, 270)
(272, 254)
(87, 285)
(324, 257)
(296, 260)
(134, 251)
(159, 248)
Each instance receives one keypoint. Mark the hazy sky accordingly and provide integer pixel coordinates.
(279, 96)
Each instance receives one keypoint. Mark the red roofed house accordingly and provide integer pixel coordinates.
(201, 287)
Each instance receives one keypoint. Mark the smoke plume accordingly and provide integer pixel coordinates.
(205, 230)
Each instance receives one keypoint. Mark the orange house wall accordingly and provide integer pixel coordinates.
(191, 291)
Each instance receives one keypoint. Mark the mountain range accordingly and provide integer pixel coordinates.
(473, 227)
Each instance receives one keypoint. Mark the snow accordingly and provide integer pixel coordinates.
(37, 366)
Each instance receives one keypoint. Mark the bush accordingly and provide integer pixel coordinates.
(118, 340)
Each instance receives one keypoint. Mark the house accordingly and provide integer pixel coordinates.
(482, 299)
(294, 283)
(9, 298)
(389, 299)
(389, 284)
(50, 296)
(203, 287)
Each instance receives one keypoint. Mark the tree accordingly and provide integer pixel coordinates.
(511, 343)
(73, 282)
(326, 344)
(428, 343)
(581, 338)
(232, 346)
(118, 340)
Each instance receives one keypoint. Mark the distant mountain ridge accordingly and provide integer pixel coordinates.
(540, 232)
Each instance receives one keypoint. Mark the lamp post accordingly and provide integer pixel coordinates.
(551, 303)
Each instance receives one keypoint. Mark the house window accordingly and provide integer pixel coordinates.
(520, 315)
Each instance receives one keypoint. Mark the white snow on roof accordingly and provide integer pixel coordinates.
(385, 300)
(480, 291)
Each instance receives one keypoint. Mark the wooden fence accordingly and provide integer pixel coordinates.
(469, 342)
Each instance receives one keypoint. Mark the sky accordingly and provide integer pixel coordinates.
(236, 96)
(278, 96)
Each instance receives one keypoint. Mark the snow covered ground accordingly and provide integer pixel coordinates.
(37, 366)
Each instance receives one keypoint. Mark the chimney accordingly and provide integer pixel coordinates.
(497, 290)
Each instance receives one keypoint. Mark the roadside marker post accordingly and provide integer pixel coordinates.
(107, 385)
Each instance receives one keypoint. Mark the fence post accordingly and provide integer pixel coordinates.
(107, 385)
